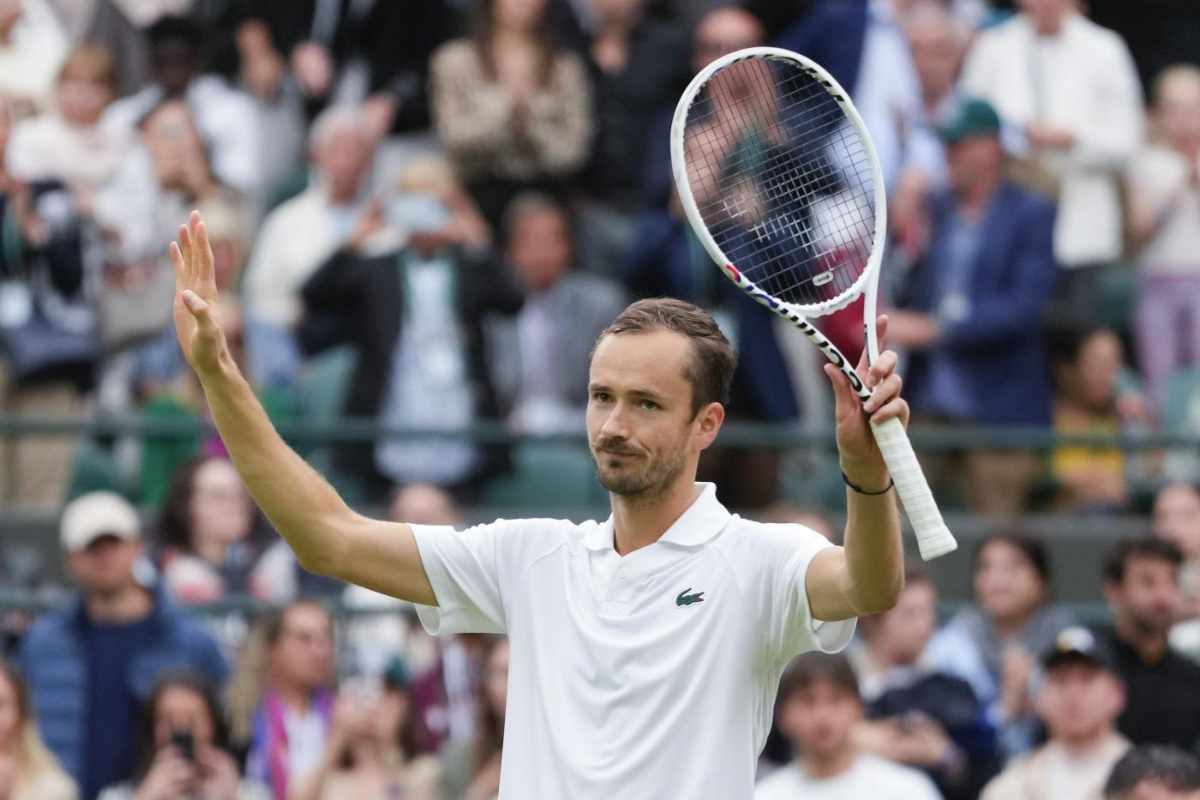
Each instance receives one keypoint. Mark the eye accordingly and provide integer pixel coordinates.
(600, 397)
(650, 405)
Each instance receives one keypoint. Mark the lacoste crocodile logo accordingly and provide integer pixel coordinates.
(685, 599)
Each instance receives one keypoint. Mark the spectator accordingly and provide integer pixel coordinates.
(373, 748)
(294, 712)
(1070, 86)
(919, 716)
(638, 65)
(415, 317)
(939, 42)
(226, 117)
(1141, 584)
(862, 45)
(1092, 398)
(68, 143)
(722, 29)
(818, 706)
(184, 748)
(973, 306)
(28, 771)
(47, 335)
(91, 665)
(1079, 700)
(32, 46)
(1154, 772)
(541, 353)
(1177, 519)
(302, 233)
(1164, 218)
(993, 644)
(471, 768)
(512, 109)
(207, 531)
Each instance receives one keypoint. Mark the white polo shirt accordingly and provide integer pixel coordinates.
(639, 677)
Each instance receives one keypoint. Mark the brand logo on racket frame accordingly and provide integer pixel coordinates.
(826, 346)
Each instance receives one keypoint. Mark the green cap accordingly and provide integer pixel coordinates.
(969, 117)
(396, 674)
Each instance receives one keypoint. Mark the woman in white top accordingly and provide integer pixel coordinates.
(28, 771)
(1164, 218)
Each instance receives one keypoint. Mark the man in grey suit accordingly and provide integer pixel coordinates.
(539, 358)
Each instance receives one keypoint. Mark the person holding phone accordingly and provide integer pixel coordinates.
(183, 748)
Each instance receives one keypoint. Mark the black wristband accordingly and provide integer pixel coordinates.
(861, 490)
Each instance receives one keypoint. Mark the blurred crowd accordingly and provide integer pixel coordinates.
(423, 213)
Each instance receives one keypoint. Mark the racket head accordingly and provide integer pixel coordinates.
(781, 183)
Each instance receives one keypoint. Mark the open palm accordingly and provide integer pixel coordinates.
(200, 337)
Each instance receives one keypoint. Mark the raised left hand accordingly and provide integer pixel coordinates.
(861, 460)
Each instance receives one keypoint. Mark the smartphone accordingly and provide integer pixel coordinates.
(185, 744)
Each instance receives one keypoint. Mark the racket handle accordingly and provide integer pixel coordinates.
(933, 537)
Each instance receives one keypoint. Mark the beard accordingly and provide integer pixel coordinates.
(636, 475)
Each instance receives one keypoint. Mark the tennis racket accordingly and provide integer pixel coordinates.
(780, 181)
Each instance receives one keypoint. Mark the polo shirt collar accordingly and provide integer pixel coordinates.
(703, 520)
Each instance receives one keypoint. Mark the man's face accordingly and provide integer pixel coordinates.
(641, 429)
(1148, 597)
(540, 247)
(937, 55)
(905, 629)
(105, 566)
(1177, 518)
(970, 158)
(818, 719)
(1150, 789)
(343, 160)
(721, 32)
(303, 653)
(1079, 701)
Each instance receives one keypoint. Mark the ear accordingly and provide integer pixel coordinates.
(1112, 592)
(708, 423)
(1118, 694)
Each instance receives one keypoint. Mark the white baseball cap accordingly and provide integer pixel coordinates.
(90, 516)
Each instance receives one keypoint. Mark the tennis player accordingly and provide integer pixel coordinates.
(646, 649)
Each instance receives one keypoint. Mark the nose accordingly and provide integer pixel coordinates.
(615, 423)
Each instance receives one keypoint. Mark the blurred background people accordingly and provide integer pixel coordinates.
(993, 644)
(1078, 700)
(91, 665)
(471, 767)
(1141, 584)
(1154, 772)
(183, 747)
(373, 747)
(291, 722)
(511, 106)
(28, 770)
(818, 706)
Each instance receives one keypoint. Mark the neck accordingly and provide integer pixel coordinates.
(1083, 746)
(129, 604)
(1150, 643)
(1009, 627)
(297, 698)
(640, 521)
(212, 550)
(1049, 26)
(505, 38)
(831, 765)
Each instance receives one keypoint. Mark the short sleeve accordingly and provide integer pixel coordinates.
(465, 569)
(790, 627)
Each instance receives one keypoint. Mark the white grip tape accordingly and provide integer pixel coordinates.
(933, 537)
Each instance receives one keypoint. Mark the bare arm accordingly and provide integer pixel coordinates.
(327, 536)
(866, 574)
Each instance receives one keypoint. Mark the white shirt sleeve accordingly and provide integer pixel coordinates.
(467, 570)
(788, 551)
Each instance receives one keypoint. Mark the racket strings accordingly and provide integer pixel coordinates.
(788, 184)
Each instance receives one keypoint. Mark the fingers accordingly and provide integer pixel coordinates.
(881, 326)
(177, 262)
(884, 392)
(844, 396)
(201, 310)
(883, 367)
(896, 408)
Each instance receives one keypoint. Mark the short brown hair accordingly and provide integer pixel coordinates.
(812, 668)
(713, 359)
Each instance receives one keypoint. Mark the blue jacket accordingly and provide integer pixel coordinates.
(999, 347)
(55, 668)
(833, 34)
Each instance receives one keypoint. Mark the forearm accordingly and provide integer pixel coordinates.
(301, 505)
(874, 551)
